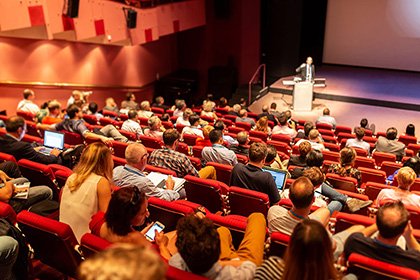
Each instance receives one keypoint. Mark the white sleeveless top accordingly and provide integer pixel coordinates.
(77, 207)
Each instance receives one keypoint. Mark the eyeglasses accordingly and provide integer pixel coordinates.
(135, 197)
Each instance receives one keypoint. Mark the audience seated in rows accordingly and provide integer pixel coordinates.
(309, 255)
(252, 177)
(346, 165)
(266, 113)
(217, 152)
(131, 175)
(314, 139)
(205, 141)
(243, 117)
(242, 148)
(405, 178)
(234, 111)
(88, 189)
(194, 127)
(358, 141)
(202, 249)
(124, 261)
(283, 127)
(132, 124)
(155, 128)
(390, 144)
(392, 222)
(11, 144)
(27, 104)
(326, 118)
(76, 124)
(169, 158)
(302, 196)
(160, 103)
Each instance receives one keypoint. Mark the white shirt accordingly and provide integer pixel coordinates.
(356, 143)
(28, 106)
(180, 120)
(284, 130)
(193, 131)
(132, 126)
(406, 197)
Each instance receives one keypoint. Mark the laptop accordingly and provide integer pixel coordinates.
(52, 140)
(280, 177)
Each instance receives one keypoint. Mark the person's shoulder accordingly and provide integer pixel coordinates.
(276, 211)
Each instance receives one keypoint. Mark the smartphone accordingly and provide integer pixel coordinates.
(150, 234)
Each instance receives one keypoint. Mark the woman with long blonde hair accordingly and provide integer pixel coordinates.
(262, 125)
(88, 189)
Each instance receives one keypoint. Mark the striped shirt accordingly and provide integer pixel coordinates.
(272, 268)
(173, 160)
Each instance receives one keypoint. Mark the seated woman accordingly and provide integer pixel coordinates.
(88, 189)
(184, 119)
(308, 256)
(155, 128)
(127, 209)
(262, 125)
(345, 168)
(208, 111)
(223, 104)
(405, 178)
(205, 142)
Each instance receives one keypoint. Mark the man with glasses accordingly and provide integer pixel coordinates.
(11, 144)
(131, 175)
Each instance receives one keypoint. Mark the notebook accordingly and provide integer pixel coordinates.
(159, 180)
(279, 176)
(52, 140)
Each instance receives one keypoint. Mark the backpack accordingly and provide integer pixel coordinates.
(71, 156)
(20, 268)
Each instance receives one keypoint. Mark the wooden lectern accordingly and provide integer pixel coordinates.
(302, 96)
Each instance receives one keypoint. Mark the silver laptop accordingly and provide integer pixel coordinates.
(52, 140)
(280, 177)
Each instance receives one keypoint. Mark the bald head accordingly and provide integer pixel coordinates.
(302, 193)
(391, 219)
(265, 108)
(135, 155)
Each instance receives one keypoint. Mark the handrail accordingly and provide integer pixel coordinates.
(262, 66)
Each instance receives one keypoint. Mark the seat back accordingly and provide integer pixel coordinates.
(361, 152)
(282, 138)
(91, 244)
(259, 134)
(407, 139)
(280, 146)
(342, 129)
(245, 202)
(190, 139)
(242, 158)
(53, 242)
(151, 142)
(235, 129)
(244, 125)
(389, 167)
(346, 220)
(414, 216)
(205, 192)
(415, 186)
(372, 175)
(111, 114)
(7, 212)
(72, 138)
(31, 129)
(118, 161)
(158, 110)
(368, 268)
(167, 124)
(333, 156)
(207, 118)
(326, 132)
(26, 115)
(168, 213)
(6, 157)
(183, 148)
(364, 162)
(372, 189)
(333, 147)
(344, 135)
(61, 173)
(414, 147)
(279, 243)
(39, 174)
(342, 183)
(105, 121)
(379, 157)
(324, 126)
(119, 148)
(223, 171)
(90, 119)
(236, 224)
(130, 135)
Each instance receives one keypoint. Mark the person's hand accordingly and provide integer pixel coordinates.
(146, 228)
(55, 152)
(170, 183)
(408, 232)
(4, 177)
(161, 239)
(107, 141)
(38, 148)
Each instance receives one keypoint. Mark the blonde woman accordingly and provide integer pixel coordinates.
(208, 111)
(262, 125)
(88, 189)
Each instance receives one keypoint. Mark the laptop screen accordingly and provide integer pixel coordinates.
(54, 139)
(279, 176)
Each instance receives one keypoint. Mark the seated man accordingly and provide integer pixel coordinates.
(169, 158)
(243, 117)
(390, 144)
(54, 113)
(283, 127)
(326, 118)
(200, 247)
(300, 160)
(131, 175)
(392, 221)
(131, 124)
(217, 152)
(301, 194)
(220, 125)
(242, 147)
(273, 159)
(9, 250)
(252, 177)
(27, 105)
(11, 144)
(358, 141)
(145, 110)
(193, 128)
(405, 178)
(76, 124)
(93, 110)
(315, 140)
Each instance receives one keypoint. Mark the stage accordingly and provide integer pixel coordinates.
(385, 97)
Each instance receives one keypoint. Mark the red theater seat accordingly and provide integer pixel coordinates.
(6, 157)
(205, 192)
(342, 129)
(282, 138)
(245, 202)
(342, 183)
(7, 212)
(91, 244)
(168, 213)
(379, 157)
(223, 171)
(279, 243)
(151, 142)
(38, 174)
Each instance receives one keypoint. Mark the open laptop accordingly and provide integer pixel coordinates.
(52, 140)
(279, 176)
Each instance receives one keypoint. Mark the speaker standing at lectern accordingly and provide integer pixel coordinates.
(306, 70)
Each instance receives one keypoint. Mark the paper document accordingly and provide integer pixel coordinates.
(159, 179)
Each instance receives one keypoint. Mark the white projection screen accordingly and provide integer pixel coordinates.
(373, 33)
